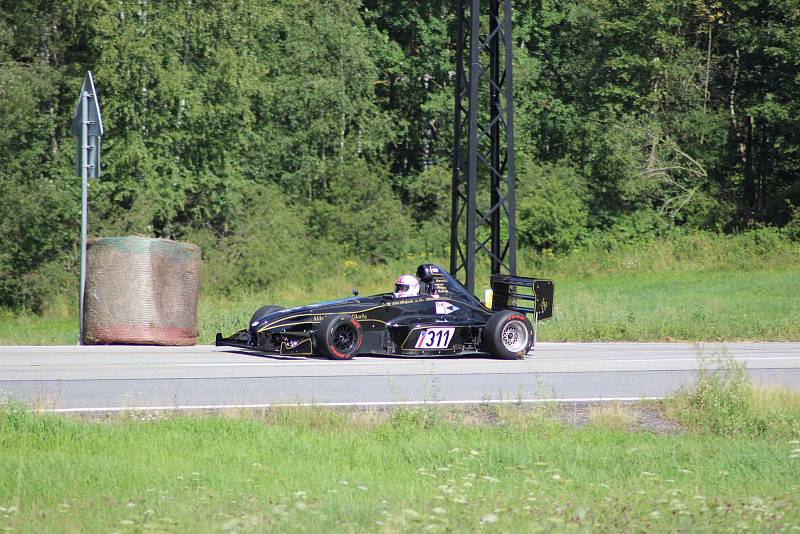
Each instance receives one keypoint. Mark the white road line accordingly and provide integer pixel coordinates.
(338, 404)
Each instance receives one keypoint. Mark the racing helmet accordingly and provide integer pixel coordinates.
(406, 285)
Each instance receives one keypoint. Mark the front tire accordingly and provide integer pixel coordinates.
(508, 335)
(339, 337)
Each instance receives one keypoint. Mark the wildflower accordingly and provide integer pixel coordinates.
(299, 494)
(362, 488)
(300, 505)
(439, 510)
(489, 519)
(343, 482)
(131, 504)
(411, 513)
(127, 522)
(473, 452)
(490, 479)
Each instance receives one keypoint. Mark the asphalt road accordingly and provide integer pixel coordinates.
(111, 378)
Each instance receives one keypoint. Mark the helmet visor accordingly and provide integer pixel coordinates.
(400, 288)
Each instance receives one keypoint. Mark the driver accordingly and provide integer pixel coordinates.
(406, 285)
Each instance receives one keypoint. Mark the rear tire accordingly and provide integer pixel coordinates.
(508, 335)
(339, 337)
(262, 311)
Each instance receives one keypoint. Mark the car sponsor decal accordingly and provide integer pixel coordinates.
(434, 338)
(445, 308)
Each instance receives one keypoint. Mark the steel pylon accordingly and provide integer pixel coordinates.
(483, 152)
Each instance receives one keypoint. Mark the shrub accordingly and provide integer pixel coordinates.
(265, 243)
(551, 206)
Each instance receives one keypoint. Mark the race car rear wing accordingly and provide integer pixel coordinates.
(522, 294)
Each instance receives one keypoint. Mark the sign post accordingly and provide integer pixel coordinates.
(87, 127)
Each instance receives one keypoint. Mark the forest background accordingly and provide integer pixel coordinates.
(287, 135)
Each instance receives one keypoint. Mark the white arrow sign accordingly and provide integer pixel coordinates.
(87, 114)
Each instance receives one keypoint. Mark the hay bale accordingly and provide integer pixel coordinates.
(141, 291)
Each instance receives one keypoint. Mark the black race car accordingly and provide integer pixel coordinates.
(444, 318)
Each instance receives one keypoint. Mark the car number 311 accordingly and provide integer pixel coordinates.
(435, 338)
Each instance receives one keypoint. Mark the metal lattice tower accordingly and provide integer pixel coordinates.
(483, 154)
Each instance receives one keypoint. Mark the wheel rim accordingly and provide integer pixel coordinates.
(344, 338)
(515, 336)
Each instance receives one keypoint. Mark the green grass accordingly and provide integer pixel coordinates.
(734, 466)
(691, 306)
(694, 287)
(418, 470)
(725, 402)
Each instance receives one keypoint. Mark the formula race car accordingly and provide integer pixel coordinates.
(444, 318)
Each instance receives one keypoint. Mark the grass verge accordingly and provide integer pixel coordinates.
(694, 287)
(496, 469)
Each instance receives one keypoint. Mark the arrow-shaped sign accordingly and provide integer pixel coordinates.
(87, 113)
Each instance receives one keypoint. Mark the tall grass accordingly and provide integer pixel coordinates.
(695, 286)
(724, 401)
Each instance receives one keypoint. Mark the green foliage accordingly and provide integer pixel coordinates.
(792, 228)
(361, 215)
(724, 401)
(461, 470)
(631, 120)
(266, 243)
(552, 209)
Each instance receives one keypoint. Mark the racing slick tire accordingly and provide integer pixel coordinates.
(262, 311)
(508, 335)
(339, 337)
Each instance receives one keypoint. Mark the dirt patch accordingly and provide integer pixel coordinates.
(632, 416)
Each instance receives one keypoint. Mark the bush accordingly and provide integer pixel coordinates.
(551, 206)
(792, 228)
(360, 214)
(265, 243)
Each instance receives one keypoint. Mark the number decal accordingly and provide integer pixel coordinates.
(435, 338)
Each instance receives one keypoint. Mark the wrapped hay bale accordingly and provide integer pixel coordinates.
(141, 291)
